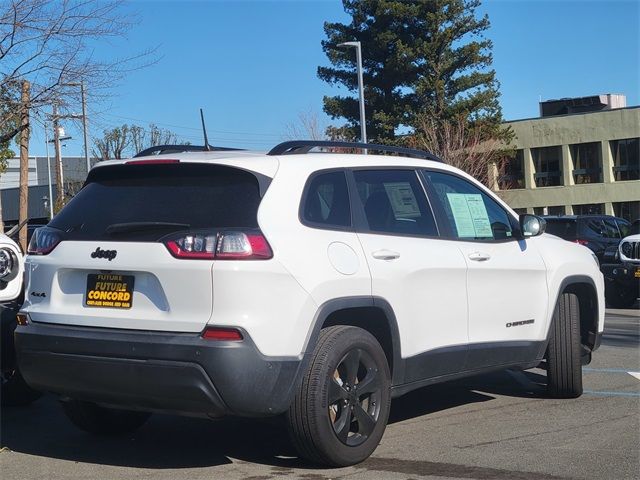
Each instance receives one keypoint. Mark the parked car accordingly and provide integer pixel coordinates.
(14, 391)
(597, 232)
(314, 285)
(628, 273)
(602, 234)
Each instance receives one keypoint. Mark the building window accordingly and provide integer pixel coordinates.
(627, 210)
(513, 173)
(589, 209)
(547, 162)
(626, 159)
(587, 163)
(554, 210)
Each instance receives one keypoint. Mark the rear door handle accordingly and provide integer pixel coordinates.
(479, 256)
(385, 254)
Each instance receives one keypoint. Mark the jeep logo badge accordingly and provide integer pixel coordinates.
(108, 254)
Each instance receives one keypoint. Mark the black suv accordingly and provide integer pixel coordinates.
(602, 234)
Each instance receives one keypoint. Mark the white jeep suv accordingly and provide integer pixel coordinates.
(315, 285)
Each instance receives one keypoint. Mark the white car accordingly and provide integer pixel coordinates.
(315, 285)
(629, 249)
(629, 271)
(11, 269)
(13, 389)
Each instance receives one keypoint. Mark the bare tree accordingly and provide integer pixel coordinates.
(126, 140)
(309, 127)
(50, 44)
(461, 145)
(161, 136)
(113, 144)
(138, 138)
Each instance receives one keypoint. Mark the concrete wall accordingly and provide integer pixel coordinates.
(566, 130)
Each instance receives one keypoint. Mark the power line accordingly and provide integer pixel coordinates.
(262, 134)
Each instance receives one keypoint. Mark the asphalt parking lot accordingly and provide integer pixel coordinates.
(497, 426)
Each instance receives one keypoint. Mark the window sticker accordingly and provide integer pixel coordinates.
(403, 201)
(470, 215)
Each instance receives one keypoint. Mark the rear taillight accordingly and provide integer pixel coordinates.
(226, 245)
(44, 240)
(193, 246)
(239, 245)
(581, 242)
(222, 333)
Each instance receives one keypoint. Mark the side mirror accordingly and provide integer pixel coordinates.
(532, 225)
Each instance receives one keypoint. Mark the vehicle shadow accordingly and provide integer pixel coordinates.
(172, 442)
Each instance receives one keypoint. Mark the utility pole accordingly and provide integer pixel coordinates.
(84, 126)
(24, 166)
(56, 143)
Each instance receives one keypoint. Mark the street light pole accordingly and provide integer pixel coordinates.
(363, 123)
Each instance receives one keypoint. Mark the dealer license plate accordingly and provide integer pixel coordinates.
(109, 291)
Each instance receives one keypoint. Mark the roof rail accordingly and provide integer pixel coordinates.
(162, 149)
(304, 146)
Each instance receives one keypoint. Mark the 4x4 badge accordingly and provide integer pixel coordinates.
(108, 254)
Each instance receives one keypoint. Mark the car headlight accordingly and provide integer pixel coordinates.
(8, 265)
(627, 249)
(6, 262)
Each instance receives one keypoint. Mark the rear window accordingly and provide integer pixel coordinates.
(172, 196)
(562, 228)
(592, 228)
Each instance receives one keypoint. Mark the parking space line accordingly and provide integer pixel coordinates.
(606, 370)
(612, 394)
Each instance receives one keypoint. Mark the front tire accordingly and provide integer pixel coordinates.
(341, 408)
(99, 420)
(564, 366)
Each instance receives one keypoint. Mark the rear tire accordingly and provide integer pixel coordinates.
(99, 420)
(341, 407)
(564, 366)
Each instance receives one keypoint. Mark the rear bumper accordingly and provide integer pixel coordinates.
(173, 372)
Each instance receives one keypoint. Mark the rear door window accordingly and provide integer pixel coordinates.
(610, 229)
(624, 227)
(174, 197)
(394, 202)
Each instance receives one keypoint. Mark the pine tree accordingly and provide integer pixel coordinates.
(419, 58)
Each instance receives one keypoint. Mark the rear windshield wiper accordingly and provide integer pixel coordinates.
(116, 228)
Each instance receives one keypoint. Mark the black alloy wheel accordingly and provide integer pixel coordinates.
(341, 407)
(354, 397)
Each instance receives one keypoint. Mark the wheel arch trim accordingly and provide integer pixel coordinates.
(579, 280)
(332, 306)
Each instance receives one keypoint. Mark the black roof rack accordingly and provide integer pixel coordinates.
(304, 146)
(161, 149)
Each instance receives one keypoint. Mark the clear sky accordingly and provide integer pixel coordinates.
(252, 64)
